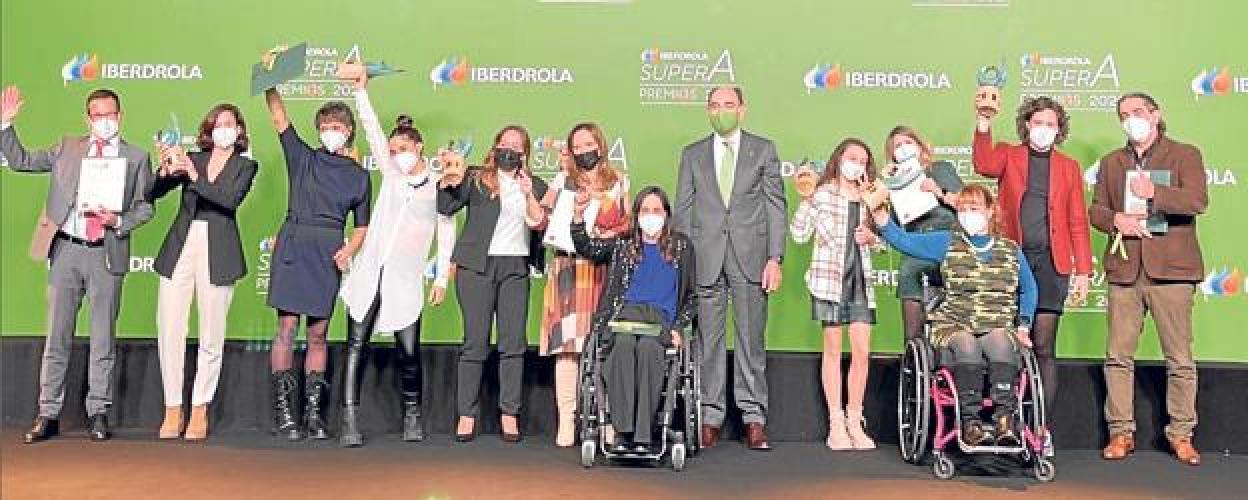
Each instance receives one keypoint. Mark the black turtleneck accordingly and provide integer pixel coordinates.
(1034, 213)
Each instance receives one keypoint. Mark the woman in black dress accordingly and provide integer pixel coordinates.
(309, 257)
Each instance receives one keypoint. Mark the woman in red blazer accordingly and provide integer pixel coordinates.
(1041, 207)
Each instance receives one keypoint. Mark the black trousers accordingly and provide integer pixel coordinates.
(407, 343)
(634, 378)
(500, 295)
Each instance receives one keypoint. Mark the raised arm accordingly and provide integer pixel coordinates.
(989, 158)
(277, 110)
(18, 157)
(377, 142)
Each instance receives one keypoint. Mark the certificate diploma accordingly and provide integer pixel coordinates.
(906, 194)
(102, 183)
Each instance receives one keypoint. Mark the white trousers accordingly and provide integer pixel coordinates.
(190, 280)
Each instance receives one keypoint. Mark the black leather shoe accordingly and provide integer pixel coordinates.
(464, 438)
(99, 428)
(42, 430)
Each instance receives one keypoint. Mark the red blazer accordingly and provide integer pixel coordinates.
(1069, 237)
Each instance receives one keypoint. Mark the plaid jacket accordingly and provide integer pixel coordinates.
(824, 217)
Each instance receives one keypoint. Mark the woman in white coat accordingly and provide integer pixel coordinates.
(384, 288)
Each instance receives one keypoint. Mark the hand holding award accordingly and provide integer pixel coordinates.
(988, 95)
(805, 180)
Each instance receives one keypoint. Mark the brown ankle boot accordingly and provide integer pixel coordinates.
(197, 428)
(1184, 451)
(1120, 445)
(171, 427)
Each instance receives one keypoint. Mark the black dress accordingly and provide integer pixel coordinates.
(323, 188)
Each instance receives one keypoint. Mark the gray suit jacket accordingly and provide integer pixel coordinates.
(63, 161)
(753, 221)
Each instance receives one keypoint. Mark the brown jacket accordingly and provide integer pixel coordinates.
(1174, 255)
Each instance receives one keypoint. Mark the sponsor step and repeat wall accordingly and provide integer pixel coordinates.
(813, 73)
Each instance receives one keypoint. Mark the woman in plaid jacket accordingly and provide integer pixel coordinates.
(839, 279)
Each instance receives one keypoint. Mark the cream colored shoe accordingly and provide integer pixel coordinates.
(838, 438)
(171, 428)
(197, 427)
(856, 425)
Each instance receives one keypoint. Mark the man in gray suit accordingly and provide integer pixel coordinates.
(731, 204)
(89, 249)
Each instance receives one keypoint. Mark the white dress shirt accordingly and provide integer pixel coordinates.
(735, 140)
(400, 234)
(511, 233)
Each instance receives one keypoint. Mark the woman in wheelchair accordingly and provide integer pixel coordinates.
(646, 302)
(989, 291)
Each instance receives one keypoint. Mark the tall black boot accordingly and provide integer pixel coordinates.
(1001, 376)
(350, 434)
(413, 422)
(285, 390)
(314, 386)
(969, 379)
(410, 381)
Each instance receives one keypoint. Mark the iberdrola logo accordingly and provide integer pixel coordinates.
(822, 76)
(1222, 283)
(1212, 82)
(451, 71)
(80, 68)
(545, 143)
(651, 56)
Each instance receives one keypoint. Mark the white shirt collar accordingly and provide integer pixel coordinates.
(734, 138)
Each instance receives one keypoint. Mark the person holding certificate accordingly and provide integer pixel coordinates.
(574, 283)
(1154, 270)
(1041, 198)
(309, 258)
(908, 152)
(85, 233)
(201, 258)
(492, 259)
(385, 290)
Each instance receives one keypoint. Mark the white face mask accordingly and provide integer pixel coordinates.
(333, 140)
(224, 137)
(405, 161)
(906, 152)
(852, 170)
(975, 223)
(1042, 137)
(1137, 128)
(104, 128)
(651, 224)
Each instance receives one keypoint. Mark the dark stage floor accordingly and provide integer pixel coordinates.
(253, 465)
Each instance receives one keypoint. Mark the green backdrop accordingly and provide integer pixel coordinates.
(641, 69)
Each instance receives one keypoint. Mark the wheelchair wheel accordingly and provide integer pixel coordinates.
(1045, 470)
(678, 457)
(587, 395)
(589, 448)
(914, 401)
(943, 467)
(1031, 404)
(693, 397)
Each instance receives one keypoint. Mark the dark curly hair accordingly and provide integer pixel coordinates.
(1035, 105)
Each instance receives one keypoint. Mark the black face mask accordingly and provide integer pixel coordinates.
(587, 160)
(506, 159)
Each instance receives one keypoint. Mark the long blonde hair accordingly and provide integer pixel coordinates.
(607, 175)
(925, 150)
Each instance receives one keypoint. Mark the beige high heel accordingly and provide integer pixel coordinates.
(197, 428)
(171, 427)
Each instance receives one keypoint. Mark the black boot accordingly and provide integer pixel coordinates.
(314, 386)
(1001, 376)
(413, 423)
(969, 381)
(357, 339)
(284, 391)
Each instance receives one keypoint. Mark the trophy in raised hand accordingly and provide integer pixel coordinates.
(452, 159)
(171, 136)
(988, 95)
(278, 65)
(806, 178)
